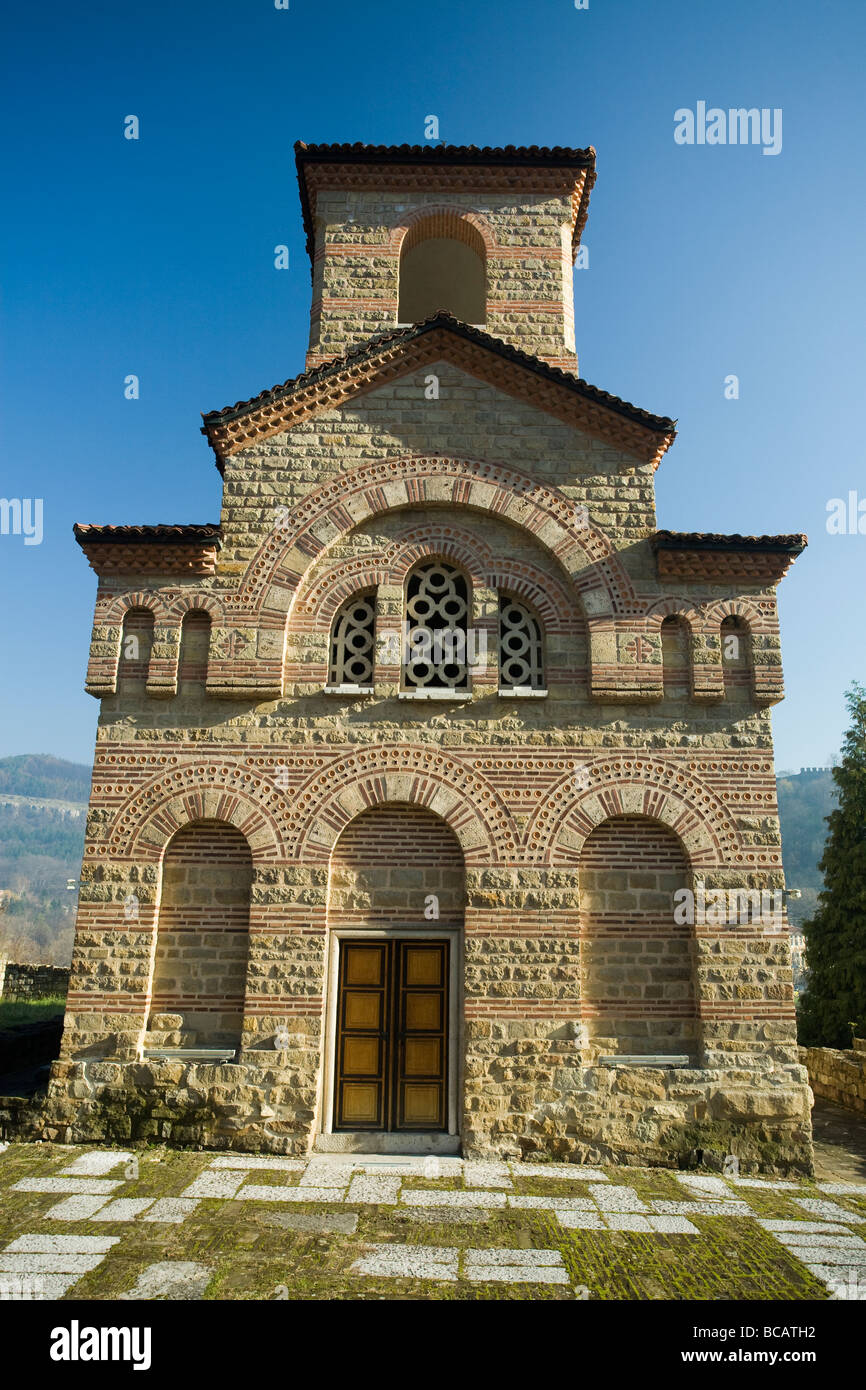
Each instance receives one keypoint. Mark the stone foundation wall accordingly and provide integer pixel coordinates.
(838, 1075)
(18, 982)
(622, 1115)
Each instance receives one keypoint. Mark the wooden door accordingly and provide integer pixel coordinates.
(392, 1036)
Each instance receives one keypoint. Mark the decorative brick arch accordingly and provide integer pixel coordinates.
(207, 790)
(315, 606)
(585, 553)
(194, 601)
(322, 591)
(446, 220)
(633, 784)
(452, 550)
(122, 604)
(320, 595)
(715, 613)
(405, 773)
(547, 597)
(675, 608)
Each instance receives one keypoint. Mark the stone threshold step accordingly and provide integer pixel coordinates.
(407, 1145)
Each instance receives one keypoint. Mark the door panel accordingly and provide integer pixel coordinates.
(422, 1057)
(361, 1056)
(392, 1044)
(421, 970)
(363, 1029)
(363, 1010)
(361, 1105)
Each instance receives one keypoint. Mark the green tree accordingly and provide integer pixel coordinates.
(836, 933)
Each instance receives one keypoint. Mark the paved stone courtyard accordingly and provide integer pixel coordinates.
(96, 1224)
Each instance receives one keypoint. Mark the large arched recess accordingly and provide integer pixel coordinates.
(202, 937)
(638, 962)
(393, 1053)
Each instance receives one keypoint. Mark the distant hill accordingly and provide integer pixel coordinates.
(42, 817)
(40, 775)
(805, 799)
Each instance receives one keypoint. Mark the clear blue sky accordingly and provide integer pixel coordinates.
(156, 258)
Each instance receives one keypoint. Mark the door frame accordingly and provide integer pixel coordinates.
(454, 1084)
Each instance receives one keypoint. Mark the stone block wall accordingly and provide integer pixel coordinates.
(837, 1075)
(22, 982)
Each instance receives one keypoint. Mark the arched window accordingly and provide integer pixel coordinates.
(443, 266)
(521, 657)
(352, 636)
(135, 647)
(675, 658)
(736, 658)
(437, 608)
(194, 645)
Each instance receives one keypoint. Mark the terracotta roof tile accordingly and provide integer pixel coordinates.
(710, 540)
(360, 153)
(440, 157)
(161, 534)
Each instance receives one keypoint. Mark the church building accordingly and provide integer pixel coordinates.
(433, 802)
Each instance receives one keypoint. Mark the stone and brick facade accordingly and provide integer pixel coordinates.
(249, 816)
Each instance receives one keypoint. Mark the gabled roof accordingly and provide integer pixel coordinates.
(512, 167)
(393, 354)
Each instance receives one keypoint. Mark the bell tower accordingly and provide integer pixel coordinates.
(490, 235)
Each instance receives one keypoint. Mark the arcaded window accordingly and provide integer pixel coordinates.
(435, 645)
(521, 660)
(194, 645)
(443, 266)
(676, 673)
(736, 659)
(135, 647)
(352, 637)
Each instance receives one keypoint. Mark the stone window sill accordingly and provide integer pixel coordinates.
(348, 690)
(522, 692)
(437, 694)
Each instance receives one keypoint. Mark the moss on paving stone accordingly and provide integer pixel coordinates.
(421, 1183)
(734, 1259)
(254, 1259)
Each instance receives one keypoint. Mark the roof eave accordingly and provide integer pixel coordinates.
(663, 427)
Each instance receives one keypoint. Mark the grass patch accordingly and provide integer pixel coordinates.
(14, 1012)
